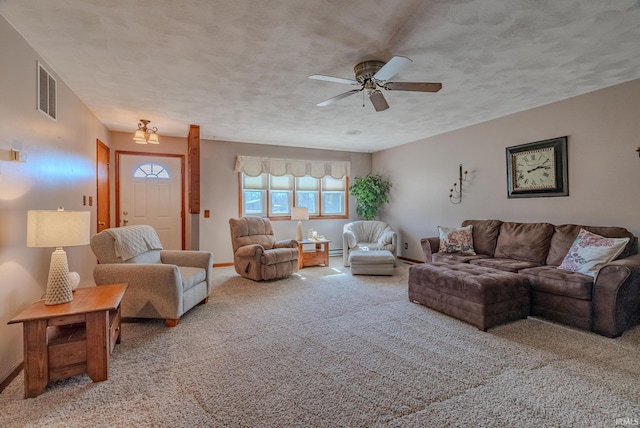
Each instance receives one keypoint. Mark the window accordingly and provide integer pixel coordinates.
(273, 196)
(151, 170)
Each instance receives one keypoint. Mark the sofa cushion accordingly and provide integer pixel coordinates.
(485, 235)
(191, 276)
(456, 257)
(524, 241)
(456, 240)
(508, 265)
(565, 234)
(590, 252)
(550, 279)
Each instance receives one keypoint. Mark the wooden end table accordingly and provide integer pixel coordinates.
(319, 256)
(72, 338)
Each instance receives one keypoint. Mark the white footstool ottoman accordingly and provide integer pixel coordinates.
(372, 262)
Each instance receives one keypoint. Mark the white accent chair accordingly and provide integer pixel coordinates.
(162, 283)
(368, 235)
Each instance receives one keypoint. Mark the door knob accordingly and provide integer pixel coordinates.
(125, 221)
(101, 223)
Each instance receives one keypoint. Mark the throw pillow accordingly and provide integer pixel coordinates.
(456, 240)
(590, 252)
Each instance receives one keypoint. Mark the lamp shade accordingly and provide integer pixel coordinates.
(153, 138)
(58, 228)
(300, 213)
(138, 137)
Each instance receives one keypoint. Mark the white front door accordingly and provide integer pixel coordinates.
(150, 189)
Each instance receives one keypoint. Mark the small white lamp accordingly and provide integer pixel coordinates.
(58, 229)
(299, 213)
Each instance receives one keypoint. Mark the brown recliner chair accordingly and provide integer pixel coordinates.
(256, 253)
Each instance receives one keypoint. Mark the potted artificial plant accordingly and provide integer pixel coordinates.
(370, 191)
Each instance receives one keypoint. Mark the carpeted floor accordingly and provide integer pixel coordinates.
(327, 349)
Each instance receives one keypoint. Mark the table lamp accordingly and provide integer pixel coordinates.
(58, 229)
(299, 213)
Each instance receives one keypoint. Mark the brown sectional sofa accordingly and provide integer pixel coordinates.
(608, 305)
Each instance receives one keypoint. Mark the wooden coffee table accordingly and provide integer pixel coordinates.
(319, 256)
(72, 338)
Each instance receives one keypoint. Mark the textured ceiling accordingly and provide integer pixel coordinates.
(240, 68)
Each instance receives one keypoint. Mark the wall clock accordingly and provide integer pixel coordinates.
(538, 169)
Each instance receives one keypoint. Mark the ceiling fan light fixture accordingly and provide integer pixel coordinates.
(373, 76)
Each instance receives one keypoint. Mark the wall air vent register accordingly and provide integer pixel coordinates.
(47, 92)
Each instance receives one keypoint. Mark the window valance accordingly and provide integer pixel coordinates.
(255, 166)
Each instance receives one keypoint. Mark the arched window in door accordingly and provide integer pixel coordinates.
(151, 170)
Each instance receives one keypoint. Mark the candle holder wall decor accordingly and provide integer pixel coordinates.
(455, 194)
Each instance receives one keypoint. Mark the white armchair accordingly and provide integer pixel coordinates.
(162, 283)
(368, 235)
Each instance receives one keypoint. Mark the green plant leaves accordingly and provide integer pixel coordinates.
(370, 191)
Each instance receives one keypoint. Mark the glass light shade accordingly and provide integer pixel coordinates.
(138, 137)
(153, 138)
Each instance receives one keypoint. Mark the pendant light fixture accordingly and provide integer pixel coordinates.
(145, 134)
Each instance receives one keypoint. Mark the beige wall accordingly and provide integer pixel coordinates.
(604, 168)
(219, 192)
(60, 169)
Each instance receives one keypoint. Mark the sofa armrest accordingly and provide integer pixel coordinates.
(200, 259)
(190, 258)
(349, 241)
(616, 297)
(389, 237)
(287, 243)
(429, 246)
(154, 285)
(252, 250)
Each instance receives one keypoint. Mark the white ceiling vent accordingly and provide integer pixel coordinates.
(47, 92)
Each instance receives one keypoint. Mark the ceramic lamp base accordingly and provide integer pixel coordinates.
(299, 231)
(58, 286)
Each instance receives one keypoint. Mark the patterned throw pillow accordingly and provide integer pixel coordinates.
(456, 240)
(590, 252)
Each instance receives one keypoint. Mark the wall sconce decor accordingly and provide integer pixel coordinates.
(455, 194)
(58, 229)
(145, 134)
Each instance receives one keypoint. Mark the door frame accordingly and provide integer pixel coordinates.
(182, 175)
(103, 201)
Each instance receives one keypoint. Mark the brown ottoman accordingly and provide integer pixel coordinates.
(481, 296)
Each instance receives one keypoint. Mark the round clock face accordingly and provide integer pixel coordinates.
(534, 169)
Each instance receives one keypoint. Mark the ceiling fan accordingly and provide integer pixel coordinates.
(373, 76)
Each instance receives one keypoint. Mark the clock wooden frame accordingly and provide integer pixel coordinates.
(561, 182)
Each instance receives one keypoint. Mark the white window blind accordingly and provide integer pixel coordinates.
(255, 166)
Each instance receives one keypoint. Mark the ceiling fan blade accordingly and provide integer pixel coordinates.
(413, 86)
(338, 97)
(393, 67)
(333, 79)
(378, 101)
